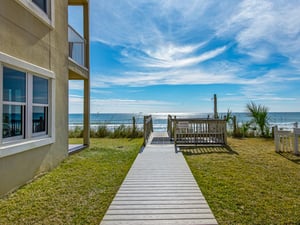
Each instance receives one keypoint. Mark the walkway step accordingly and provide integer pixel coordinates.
(159, 190)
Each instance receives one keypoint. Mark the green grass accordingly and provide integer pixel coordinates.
(78, 191)
(252, 185)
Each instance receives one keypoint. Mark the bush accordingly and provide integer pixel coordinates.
(102, 131)
(76, 133)
(121, 132)
(259, 114)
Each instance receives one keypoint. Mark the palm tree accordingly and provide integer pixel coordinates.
(259, 114)
(228, 116)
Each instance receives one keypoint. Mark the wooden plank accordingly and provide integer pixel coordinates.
(158, 188)
(170, 206)
(157, 202)
(161, 194)
(159, 216)
(163, 197)
(163, 222)
(158, 211)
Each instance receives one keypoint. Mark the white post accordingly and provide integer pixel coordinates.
(276, 139)
(296, 136)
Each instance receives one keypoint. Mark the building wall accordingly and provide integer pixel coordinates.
(24, 36)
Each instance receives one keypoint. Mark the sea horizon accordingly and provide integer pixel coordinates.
(285, 120)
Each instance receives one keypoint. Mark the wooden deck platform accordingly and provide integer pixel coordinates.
(159, 189)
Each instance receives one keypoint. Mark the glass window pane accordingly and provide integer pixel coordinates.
(14, 85)
(12, 121)
(39, 118)
(40, 90)
(42, 4)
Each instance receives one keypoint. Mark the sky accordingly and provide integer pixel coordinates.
(168, 56)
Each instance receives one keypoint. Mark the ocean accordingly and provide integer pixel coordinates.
(284, 120)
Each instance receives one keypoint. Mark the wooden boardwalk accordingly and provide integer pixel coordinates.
(159, 189)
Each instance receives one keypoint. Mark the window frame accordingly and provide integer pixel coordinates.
(47, 10)
(30, 87)
(46, 17)
(13, 145)
(14, 103)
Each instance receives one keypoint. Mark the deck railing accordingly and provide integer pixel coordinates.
(148, 128)
(12, 128)
(77, 45)
(187, 131)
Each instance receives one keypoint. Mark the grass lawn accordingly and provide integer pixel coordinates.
(78, 191)
(252, 185)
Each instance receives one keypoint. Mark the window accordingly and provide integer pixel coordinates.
(27, 109)
(14, 101)
(42, 4)
(12, 121)
(25, 105)
(39, 105)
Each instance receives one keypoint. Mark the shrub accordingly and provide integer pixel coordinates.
(102, 131)
(76, 133)
(121, 132)
(260, 117)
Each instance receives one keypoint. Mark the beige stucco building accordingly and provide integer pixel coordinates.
(39, 54)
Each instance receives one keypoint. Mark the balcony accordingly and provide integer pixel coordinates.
(77, 46)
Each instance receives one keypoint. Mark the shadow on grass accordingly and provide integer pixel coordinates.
(199, 150)
(291, 157)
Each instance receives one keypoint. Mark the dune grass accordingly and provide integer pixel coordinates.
(78, 191)
(250, 184)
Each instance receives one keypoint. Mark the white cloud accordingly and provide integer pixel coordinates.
(76, 85)
(184, 61)
(129, 105)
(170, 51)
(262, 28)
(75, 104)
(172, 77)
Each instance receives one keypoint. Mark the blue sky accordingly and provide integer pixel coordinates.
(173, 56)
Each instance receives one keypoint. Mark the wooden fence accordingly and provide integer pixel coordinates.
(187, 131)
(287, 141)
(148, 128)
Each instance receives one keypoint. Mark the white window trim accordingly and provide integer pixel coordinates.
(23, 65)
(39, 13)
(22, 146)
(17, 146)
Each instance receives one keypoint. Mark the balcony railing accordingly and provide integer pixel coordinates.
(77, 45)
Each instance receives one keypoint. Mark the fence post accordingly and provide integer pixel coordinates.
(145, 131)
(169, 126)
(148, 128)
(133, 127)
(234, 126)
(276, 139)
(175, 135)
(296, 136)
(225, 131)
(215, 107)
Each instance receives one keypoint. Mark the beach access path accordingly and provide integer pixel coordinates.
(159, 189)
